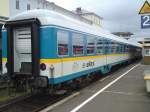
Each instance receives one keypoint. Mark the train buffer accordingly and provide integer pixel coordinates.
(122, 91)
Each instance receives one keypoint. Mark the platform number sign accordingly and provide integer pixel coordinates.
(145, 21)
(145, 15)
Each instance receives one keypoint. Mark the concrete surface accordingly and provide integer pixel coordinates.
(126, 95)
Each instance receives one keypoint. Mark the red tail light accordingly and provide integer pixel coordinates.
(43, 67)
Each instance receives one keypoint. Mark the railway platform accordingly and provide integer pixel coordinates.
(122, 91)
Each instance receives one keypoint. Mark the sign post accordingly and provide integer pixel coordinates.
(145, 15)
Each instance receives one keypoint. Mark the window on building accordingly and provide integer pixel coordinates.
(17, 4)
(147, 52)
(62, 42)
(90, 45)
(28, 7)
(77, 43)
(99, 46)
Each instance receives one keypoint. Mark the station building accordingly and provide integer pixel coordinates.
(125, 35)
(91, 16)
(146, 50)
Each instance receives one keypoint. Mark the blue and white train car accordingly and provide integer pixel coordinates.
(54, 48)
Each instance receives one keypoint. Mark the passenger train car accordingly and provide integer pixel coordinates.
(52, 48)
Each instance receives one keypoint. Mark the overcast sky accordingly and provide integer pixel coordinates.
(119, 15)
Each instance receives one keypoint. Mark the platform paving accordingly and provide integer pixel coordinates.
(128, 94)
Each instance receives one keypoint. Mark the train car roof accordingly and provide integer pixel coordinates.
(48, 17)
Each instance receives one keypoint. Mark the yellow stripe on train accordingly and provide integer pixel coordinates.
(77, 58)
(73, 58)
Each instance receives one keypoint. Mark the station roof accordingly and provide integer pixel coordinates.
(123, 33)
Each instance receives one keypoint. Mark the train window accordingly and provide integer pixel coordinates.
(124, 48)
(90, 45)
(107, 46)
(118, 48)
(77, 44)
(121, 48)
(113, 47)
(62, 42)
(99, 46)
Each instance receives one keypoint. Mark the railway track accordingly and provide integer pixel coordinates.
(33, 103)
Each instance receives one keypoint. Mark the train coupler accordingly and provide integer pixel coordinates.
(39, 82)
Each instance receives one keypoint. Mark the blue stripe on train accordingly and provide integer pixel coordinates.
(4, 44)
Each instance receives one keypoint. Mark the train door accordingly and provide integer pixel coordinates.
(22, 50)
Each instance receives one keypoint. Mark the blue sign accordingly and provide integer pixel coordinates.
(145, 21)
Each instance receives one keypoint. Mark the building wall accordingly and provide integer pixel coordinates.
(41, 4)
(22, 6)
(34, 4)
(93, 18)
(4, 8)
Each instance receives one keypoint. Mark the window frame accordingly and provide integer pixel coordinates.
(108, 43)
(113, 47)
(94, 38)
(58, 43)
(82, 35)
(100, 38)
